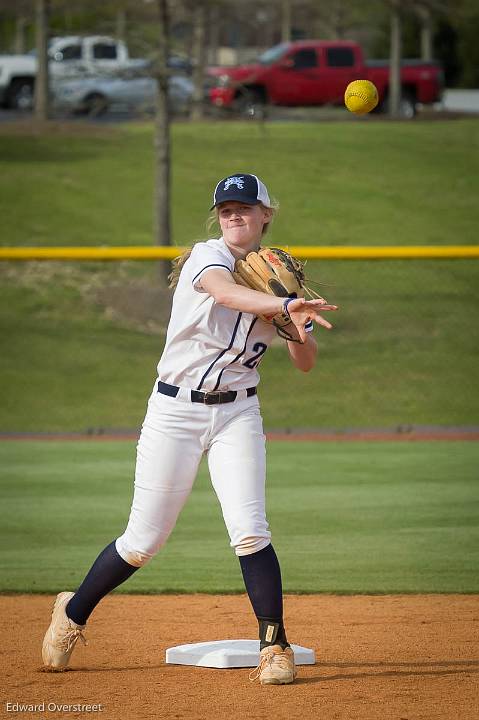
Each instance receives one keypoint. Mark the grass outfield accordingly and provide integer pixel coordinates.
(345, 517)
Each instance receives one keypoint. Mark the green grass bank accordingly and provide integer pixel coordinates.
(378, 183)
(80, 342)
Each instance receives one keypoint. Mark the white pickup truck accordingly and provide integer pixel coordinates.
(69, 57)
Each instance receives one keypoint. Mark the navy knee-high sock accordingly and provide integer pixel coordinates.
(107, 572)
(262, 578)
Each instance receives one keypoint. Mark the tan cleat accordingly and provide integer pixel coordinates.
(61, 636)
(276, 666)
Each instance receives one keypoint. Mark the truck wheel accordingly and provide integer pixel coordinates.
(252, 104)
(407, 106)
(20, 94)
(95, 104)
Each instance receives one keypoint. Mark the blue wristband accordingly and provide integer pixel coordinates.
(285, 306)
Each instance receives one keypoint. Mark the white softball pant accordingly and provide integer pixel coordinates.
(174, 436)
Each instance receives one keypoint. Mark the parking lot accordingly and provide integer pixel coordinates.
(455, 103)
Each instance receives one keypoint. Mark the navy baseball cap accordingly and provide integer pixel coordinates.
(241, 187)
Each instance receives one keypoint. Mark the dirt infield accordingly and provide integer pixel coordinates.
(404, 657)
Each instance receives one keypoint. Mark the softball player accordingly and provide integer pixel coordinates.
(204, 402)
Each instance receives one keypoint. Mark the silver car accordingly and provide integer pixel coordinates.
(94, 95)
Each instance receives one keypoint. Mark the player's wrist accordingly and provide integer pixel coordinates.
(284, 307)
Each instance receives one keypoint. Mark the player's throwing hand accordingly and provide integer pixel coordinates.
(302, 312)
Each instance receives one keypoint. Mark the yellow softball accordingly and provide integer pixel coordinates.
(361, 96)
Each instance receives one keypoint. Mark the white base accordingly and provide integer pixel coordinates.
(228, 654)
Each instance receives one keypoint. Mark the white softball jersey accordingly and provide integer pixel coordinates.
(209, 346)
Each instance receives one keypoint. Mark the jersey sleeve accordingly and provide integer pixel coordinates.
(309, 327)
(205, 257)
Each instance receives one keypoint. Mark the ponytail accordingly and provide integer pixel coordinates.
(177, 264)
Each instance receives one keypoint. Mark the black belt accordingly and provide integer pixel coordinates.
(207, 398)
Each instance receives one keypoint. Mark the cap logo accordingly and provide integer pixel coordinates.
(238, 181)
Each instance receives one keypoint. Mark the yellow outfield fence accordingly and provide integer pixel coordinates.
(339, 252)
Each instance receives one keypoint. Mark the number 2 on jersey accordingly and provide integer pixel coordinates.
(259, 348)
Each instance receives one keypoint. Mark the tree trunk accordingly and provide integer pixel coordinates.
(19, 40)
(162, 141)
(395, 61)
(426, 33)
(199, 59)
(267, 30)
(213, 39)
(41, 42)
(337, 22)
(286, 21)
(120, 23)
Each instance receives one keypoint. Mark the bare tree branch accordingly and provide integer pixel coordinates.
(395, 60)
(21, 22)
(162, 137)
(41, 41)
(285, 20)
(199, 58)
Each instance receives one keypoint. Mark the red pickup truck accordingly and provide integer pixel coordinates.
(314, 72)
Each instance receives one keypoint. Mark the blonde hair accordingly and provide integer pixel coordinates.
(178, 262)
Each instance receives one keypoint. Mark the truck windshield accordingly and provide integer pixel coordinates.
(273, 54)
